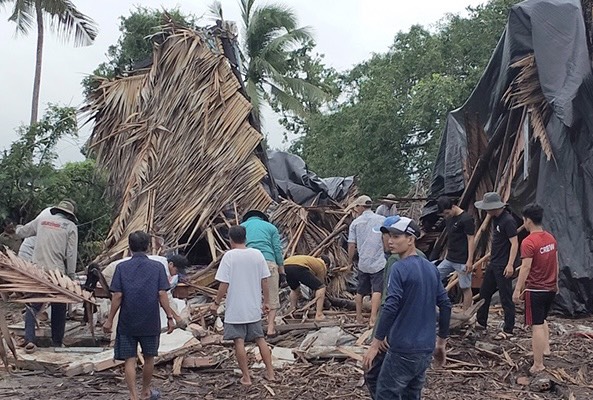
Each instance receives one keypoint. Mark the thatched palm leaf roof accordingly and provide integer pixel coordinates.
(29, 283)
(176, 141)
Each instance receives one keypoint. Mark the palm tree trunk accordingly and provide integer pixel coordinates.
(38, 60)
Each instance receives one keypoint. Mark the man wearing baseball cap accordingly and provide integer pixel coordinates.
(501, 267)
(371, 375)
(406, 327)
(371, 260)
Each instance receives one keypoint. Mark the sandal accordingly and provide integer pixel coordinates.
(154, 395)
(30, 348)
(502, 335)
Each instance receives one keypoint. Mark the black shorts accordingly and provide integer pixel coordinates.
(127, 346)
(370, 283)
(537, 306)
(296, 274)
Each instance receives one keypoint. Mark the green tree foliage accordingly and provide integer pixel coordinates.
(304, 64)
(387, 128)
(139, 31)
(29, 180)
(64, 19)
(269, 39)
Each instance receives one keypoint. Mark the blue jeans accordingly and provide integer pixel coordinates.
(402, 376)
(58, 322)
(372, 375)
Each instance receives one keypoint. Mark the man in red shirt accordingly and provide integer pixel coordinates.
(538, 281)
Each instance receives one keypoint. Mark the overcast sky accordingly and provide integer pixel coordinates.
(346, 31)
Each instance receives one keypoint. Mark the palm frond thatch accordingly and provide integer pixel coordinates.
(312, 231)
(525, 92)
(32, 284)
(176, 142)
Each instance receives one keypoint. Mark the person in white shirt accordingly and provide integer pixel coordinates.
(243, 275)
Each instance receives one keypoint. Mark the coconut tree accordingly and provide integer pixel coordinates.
(269, 33)
(64, 19)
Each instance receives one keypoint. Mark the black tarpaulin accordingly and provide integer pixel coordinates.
(554, 31)
(295, 182)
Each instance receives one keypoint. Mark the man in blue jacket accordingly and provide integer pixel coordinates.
(264, 236)
(406, 327)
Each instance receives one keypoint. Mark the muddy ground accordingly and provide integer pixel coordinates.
(478, 368)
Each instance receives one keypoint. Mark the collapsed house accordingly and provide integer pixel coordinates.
(184, 159)
(526, 132)
(177, 143)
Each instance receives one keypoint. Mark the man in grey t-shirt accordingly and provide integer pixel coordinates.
(371, 259)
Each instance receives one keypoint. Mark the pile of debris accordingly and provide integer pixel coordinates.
(177, 143)
(319, 360)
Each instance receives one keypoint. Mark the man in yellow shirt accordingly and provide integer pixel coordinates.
(311, 272)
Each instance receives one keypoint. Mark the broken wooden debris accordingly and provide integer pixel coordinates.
(197, 361)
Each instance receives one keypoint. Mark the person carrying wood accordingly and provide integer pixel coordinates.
(537, 284)
(311, 272)
(265, 237)
(460, 248)
(139, 286)
(406, 329)
(501, 267)
(371, 261)
(56, 248)
(243, 275)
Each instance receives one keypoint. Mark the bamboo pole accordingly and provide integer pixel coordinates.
(454, 279)
(317, 251)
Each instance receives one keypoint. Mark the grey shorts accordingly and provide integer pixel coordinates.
(248, 332)
(447, 267)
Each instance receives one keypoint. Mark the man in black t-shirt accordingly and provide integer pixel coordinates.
(460, 250)
(503, 257)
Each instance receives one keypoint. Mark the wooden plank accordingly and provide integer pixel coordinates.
(350, 353)
(171, 346)
(191, 345)
(205, 361)
(314, 326)
(177, 365)
(205, 280)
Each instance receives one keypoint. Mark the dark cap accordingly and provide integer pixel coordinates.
(180, 262)
(255, 213)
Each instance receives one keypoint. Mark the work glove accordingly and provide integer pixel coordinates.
(282, 281)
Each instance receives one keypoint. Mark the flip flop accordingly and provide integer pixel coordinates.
(154, 395)
(502, 335)
(271, 335)
(30, 348)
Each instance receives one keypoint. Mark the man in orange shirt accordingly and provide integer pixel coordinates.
(311, 272)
